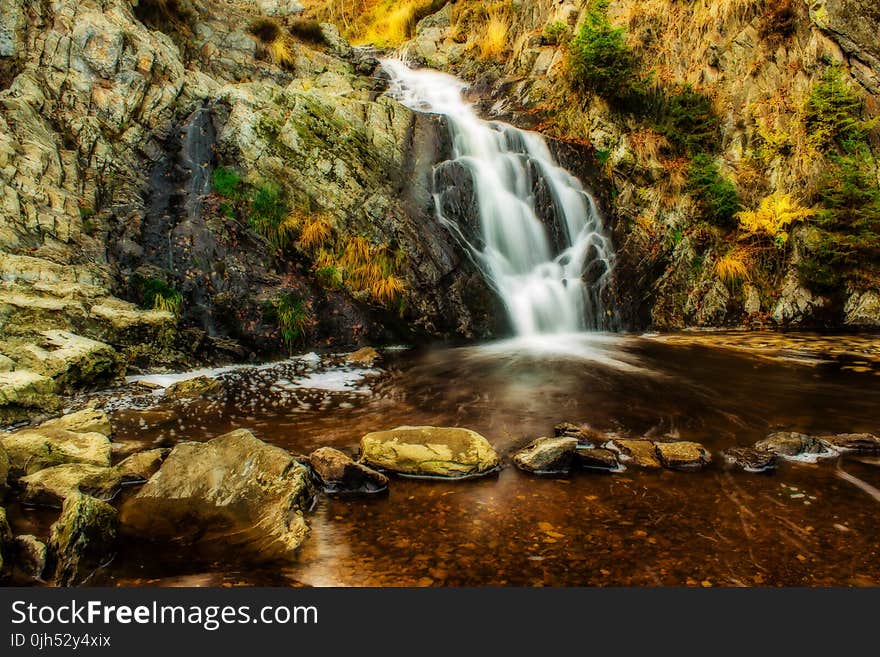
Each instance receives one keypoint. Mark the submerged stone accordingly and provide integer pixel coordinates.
(339, 473)
(750, 459)
(638, 452)
(856, 443)
(82, 539)
(683, 455)
(200, 386)
(791, 445)
(430, 452)
(547, 455)
(234, 491)
(366, 356)
(596, 458)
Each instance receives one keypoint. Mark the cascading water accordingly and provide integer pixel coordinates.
(547, 285)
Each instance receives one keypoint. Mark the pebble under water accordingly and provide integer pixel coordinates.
(804, 525)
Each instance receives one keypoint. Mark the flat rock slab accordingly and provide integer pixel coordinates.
(683, 455)
(451, 453)
(76, 438)
(547, 455)
(339, 473)
(855, 443)
(636, 452)
(234, 491)
(51, 486)
(751, 459)
(596, 458)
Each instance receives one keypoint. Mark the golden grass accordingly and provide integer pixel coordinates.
(315, 232)
(282, 53)
(733, 266)
(493, 40)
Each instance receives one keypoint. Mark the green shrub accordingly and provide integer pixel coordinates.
(554, 33)
(685, 117)
(600, 61)
(717, 195)
(832, 114)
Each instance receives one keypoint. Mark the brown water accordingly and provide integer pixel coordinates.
(803, 525)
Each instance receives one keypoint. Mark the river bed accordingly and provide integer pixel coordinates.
(804, 525)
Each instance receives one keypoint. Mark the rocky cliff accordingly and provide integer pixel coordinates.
(731, 137)
(210, 180)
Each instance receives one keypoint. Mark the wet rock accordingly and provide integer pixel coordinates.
(81, 437)
(547, 455)
(584, 433)
(790, 444)
(365, 357)
(750, 459)
(234, 491)
(82, 539)
(30, 556)
(796, 303)
(70, 360)
(51, 486)
(857, 443)
(340, 474)
(22, 392)
(863, 309)
(596, 458)
(142, 465)
(637, 452)
(200, 386)
(430, 452)
(683, 455)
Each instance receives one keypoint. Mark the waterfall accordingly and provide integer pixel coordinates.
(549, 262)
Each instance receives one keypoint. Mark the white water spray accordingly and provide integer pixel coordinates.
(547, 285)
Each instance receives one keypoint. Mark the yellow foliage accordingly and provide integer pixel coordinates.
(773, 216)
(733, 266)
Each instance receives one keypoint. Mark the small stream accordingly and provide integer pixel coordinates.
(805, 524)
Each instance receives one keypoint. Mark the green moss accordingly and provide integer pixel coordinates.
(716, 194)
(226, 182)
(554, 33)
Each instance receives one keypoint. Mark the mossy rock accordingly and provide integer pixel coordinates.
(83, 538)
(450, 453)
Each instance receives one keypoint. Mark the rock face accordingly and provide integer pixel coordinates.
(636, 452)
(547, 455)
(430, 452)
(790, 444)
(76, 438)
(863, 309)
(234, 490)
(340, 474)
(683, 455)
(82, 539)
(858, 443)
(750, 459)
